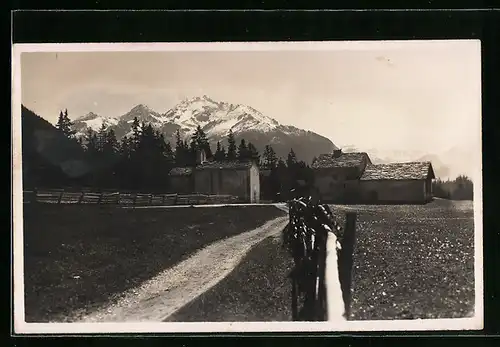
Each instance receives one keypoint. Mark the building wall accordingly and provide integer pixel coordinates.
(254, 184)
(409, 191)
(338, 184)
(181, 184)
(223, 182)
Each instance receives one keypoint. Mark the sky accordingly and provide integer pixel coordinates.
(418, 95)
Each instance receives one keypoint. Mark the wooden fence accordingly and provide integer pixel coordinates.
(323, 258)
(60, 196)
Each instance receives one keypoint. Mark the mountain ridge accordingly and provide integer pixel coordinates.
(216, 118)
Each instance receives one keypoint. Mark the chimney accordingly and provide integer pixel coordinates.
(337, 153)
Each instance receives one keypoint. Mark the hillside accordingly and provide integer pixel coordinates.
(49, 158)
(216, 119)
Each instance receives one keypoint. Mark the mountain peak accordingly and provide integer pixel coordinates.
(143, 113)
(88, 116)
(217, 118)
(140, 107)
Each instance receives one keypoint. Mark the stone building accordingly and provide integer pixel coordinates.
(336, 175)
(352, 178)
(239, 179)
(409, 182)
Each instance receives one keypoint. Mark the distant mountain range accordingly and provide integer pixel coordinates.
(216, 119)
(48, 153)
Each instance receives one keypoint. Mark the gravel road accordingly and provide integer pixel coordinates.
(158, 298)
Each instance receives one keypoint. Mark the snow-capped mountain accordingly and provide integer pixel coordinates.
(92, 121)
(216, 119)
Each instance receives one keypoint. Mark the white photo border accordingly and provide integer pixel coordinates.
(21, 327)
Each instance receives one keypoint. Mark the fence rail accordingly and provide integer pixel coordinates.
(59, 196)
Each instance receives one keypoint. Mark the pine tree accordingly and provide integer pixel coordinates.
(220, 153)
(191, 153)
(291, 160)
(242, 150)
(91, 142)
(179, 149)
(281, 164)
(253, 154)
(101, 138)
(269, 157)
(136, 133)
(168, 152)
(125, 147)
(65, 125)
(281, 179)
(231, 148)
(110, 144)
(201, 141)
(147, 140)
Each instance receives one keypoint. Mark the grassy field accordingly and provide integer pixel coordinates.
(413, 261)
(409, 262)
(256, 290)
(79, 257)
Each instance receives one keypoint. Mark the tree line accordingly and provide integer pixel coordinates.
(461, 188)
(142, 159)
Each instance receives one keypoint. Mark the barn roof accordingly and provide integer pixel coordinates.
(181, 171)
(344, 160)
(218, 165)
(399, 171)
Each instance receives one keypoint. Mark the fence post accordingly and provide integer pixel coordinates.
(35, 192)
(118, 198)
(150, 199)
(346, 259)
(322, 297)
(134, 199)
(294, 296)
(60, 197)
(80, 199)
(100, 198)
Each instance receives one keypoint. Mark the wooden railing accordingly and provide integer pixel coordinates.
(60, 196)
(322, 251)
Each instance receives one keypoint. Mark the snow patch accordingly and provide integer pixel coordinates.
(96, 123)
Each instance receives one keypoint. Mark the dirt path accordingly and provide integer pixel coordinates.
(164, 294)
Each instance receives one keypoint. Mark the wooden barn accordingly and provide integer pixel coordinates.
(345, 178)
(239, 179)
(397, 183)
(337, 174)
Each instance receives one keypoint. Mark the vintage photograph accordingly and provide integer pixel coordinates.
(226, 187)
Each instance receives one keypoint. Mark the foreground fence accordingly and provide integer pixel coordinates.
(322, 252)
(55, 196)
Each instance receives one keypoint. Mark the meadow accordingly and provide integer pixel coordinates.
(410, 261)
(78, 257)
